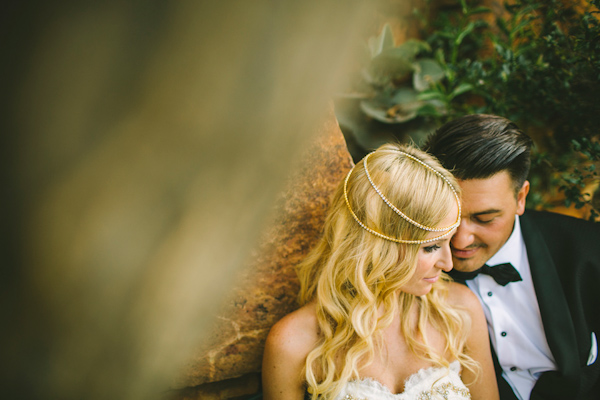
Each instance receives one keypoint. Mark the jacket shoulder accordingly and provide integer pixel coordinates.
(559, 226)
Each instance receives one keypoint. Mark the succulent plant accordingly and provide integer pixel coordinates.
(391, 84)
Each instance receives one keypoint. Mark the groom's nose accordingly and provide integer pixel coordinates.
(463, 237)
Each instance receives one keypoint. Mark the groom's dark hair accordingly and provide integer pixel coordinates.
(479, 146)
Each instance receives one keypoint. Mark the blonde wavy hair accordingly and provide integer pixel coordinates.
(352, 274)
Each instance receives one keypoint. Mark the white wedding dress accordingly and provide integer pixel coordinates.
(430, 383)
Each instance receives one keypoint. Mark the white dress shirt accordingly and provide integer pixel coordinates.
(514, 320)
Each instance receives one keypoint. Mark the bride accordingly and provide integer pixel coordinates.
(379, 320)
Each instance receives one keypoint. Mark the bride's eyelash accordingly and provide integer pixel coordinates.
(431, 249)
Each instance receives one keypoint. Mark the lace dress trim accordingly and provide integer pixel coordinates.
(426, 384)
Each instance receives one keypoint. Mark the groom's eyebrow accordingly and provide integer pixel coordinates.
(485, 212)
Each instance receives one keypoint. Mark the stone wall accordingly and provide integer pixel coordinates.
(228, 364)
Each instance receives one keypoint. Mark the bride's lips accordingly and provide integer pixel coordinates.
(467, 253)
(432, 280)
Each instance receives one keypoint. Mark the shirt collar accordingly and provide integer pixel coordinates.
(511, 251)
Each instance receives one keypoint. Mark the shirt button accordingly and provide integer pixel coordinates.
(513, 368)
(489, 294)
(503, 334)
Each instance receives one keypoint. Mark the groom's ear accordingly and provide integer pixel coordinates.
(521, 197)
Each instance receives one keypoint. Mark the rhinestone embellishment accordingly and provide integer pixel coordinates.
(443, 390)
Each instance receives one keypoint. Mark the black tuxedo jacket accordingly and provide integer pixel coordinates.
(564, 257)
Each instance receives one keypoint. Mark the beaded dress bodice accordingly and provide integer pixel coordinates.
(430, 383)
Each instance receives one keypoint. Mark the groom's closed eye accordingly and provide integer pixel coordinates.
(485, 217)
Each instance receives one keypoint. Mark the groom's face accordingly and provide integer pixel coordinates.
(488, 215)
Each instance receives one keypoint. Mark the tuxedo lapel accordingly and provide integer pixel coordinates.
(554, 309)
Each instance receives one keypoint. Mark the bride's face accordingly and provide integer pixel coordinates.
(433, 258)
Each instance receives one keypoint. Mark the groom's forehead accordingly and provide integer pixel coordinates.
(487, 195)
(494, 186)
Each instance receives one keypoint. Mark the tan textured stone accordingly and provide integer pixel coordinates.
(267, 287)
(237, 388)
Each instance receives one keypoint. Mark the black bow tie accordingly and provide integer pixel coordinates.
(503, 274)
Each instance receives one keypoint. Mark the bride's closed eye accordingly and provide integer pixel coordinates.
(432, 248)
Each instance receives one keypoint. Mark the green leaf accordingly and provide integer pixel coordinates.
(433, 108)
(445, 35)
(406, 101)
(405, 95)
(429, 110)
(439, 56)
(427, 71)
(384, 41)
(414, 46)
(432, 95)
(519, 27)
(460, 89)
(406, 51)
(388, 115)
(479, 10)
(376, 110)
(387, 67)
(468, 29)
(502, 25)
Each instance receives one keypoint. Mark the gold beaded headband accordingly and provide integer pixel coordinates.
(447, 229)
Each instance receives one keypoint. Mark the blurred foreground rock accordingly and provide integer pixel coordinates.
(266, 288)
(144, 145)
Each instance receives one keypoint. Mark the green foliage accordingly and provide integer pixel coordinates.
(538, 65)
(391, 90)
(541, 69)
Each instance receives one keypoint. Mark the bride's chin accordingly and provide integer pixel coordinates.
(419, 292)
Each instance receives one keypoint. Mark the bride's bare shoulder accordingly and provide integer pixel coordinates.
(461, 296)
(296, 334)
(288, 344)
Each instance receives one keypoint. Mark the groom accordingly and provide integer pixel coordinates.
(537, 273)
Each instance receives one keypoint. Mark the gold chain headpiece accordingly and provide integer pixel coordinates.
(447, 229)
